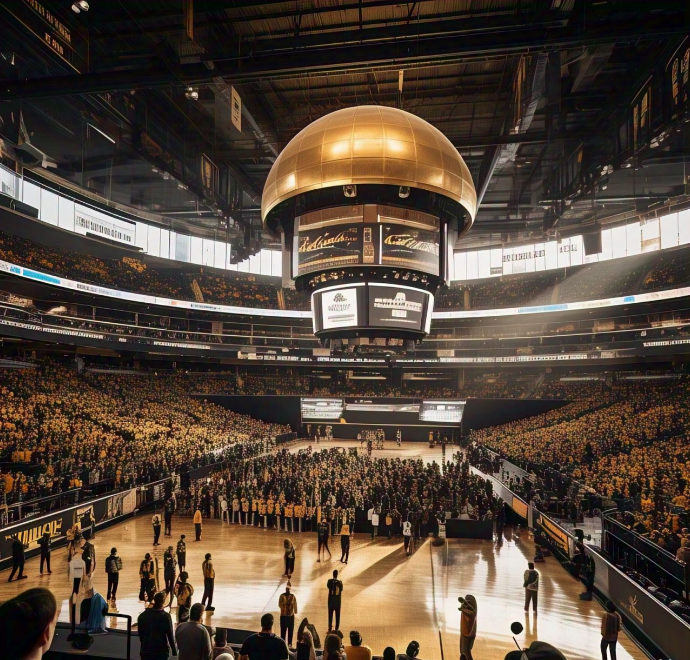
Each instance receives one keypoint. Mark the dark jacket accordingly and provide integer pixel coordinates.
(17, 550)
(156, 633)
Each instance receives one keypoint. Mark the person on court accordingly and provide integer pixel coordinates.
(147, 576)
(169, 572)
(168, 512)
(288, 608)
(407, 535)
(335, 590)
(197, 524)
(344, 543)
(289, 558)
(17, 559)
(156, 524)
(113, 566)
(184, 592)
(182, 553)
(44, 542)
(531, 586)
(209, 578)
(322, 535)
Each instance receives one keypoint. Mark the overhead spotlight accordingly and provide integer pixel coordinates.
(80, 6)
(192, 93)
(350, 191)
(404, 192)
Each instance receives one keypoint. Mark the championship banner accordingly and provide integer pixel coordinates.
(556, 535)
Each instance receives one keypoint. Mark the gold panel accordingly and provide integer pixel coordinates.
(369, 144)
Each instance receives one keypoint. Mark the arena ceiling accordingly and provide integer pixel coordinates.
(522, 88)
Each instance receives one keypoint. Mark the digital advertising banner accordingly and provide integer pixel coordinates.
(396, 307)
(409, 247)
(328, 247)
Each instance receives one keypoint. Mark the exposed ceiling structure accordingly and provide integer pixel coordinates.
(533, 93)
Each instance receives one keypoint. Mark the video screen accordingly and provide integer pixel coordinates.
(339, 308)
(321, 409)
(383, 411)
(328, 247)
(410, 247)
(443, 412)
(396, 307)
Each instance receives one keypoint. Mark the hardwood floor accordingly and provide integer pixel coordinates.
(389, 598)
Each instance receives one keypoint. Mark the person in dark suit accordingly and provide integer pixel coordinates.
(17, 559)
(44, 542)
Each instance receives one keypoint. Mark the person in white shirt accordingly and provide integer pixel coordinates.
(374, 523)
(77, 568)
(224, 513)
(407, 534)
(156, 522)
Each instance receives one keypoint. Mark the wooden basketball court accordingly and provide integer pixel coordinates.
(390, 598)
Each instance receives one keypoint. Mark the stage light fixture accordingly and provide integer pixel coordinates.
(192, 93)
(404, 192)
(80, 6)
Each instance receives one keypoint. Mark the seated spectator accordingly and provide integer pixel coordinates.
(333, 647)
(411, 652)
(305, 647)
(220, 644)
(355, 651)
(27, 624)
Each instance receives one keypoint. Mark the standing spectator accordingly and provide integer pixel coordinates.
(356, 651)
(344, 544)
(182, 553)
(184, 592)
(27, 624)
(45, 551)
(113, 566)
(169, 572)
(147, 577)
(209, 577)
(156, 631)
(531, 585)
(610, 627)
(468, 625)
(156, 524)
(197, 524)
(288, 608)
(264, 645)
(224, 513)
(289, 558)
(305, 647)
(17, 559)
(335, 590)
(193, 640)
(220, 644)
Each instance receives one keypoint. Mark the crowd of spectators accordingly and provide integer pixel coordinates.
(627, 443)
(60, 429)
(343, 486)
(617, 277)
